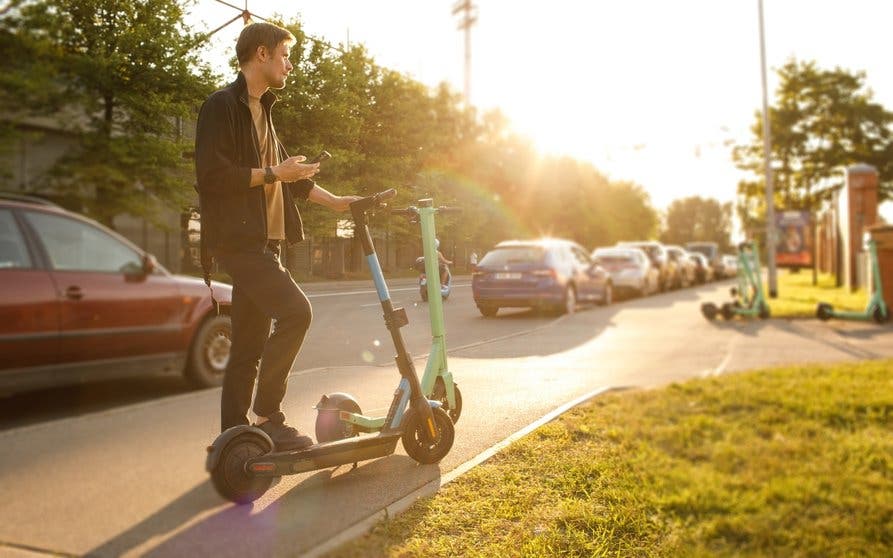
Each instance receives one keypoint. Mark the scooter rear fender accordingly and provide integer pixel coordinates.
(216, 448)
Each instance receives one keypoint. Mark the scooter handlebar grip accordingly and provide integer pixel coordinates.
(385, 195)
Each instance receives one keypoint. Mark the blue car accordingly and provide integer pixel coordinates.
(546, 274)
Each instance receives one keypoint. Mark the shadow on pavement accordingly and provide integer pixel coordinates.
(43, 405)
(291, 524)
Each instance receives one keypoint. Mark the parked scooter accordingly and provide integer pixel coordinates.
(437, 381)
(875, 310)
(748, 297)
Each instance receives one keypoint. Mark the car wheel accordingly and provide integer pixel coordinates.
(608, 297)
(488, 311)
(570, 300)
(209, 352)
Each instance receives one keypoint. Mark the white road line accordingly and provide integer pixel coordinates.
(348, 293)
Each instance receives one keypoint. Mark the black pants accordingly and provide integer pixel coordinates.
(263, 290)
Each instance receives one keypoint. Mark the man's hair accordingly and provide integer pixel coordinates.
(259, 34)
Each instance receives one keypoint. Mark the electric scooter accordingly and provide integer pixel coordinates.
(876, 310)
(437, 382)
(749, 300)
(445, 287)
(242, 462)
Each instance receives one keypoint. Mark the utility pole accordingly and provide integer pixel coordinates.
(469, 16)
(767, 158)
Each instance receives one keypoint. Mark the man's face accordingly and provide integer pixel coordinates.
(277, 66)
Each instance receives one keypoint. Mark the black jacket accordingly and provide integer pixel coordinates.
(234, 214)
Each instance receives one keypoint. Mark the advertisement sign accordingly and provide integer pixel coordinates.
(794, 248)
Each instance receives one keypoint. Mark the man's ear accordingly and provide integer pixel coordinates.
(262, 53)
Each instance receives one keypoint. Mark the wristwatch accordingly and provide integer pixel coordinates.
(269, 176)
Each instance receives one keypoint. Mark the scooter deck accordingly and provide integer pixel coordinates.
(322, 456)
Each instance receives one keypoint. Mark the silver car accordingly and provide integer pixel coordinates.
(631, 270)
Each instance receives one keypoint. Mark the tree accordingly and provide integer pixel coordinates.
(698, 219)
(822, 120)
(130, 73)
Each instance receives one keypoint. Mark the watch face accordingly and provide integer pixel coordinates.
(269, 177)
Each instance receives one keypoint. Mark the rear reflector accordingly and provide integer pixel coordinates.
(544, 273)
(262, 467)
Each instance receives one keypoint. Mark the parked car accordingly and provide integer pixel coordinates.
(657, 253)
(703, 269)
(81, 303)
(729, 265)
(685, 267)
(543, 274)
(631, 270)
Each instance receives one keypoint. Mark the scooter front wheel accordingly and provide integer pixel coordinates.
(414, 439)
(229, 476)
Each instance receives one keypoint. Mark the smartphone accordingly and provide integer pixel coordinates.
(323, 155)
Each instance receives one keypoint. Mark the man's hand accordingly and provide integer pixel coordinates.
(342, 203)
(336, 203)
(294, 169)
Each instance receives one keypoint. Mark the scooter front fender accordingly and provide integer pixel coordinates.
(228, 435)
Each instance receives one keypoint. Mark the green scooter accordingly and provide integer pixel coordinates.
(876, 310)
(749, 299)
(437, 382)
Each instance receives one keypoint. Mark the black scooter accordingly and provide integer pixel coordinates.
(241, 461)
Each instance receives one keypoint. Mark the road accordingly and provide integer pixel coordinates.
(128, 479)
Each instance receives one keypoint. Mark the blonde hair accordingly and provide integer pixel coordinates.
(259, 34)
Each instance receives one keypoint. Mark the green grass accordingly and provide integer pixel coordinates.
(795, 461)
(798, 297)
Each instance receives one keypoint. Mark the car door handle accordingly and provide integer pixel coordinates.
(74, 293)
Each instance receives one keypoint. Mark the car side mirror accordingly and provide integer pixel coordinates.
(150, 264)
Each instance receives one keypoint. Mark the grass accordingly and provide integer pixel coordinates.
(794, 461)
(798, 297)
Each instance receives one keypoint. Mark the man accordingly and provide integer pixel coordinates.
(247, 183)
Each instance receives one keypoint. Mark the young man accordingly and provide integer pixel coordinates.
(247, 184)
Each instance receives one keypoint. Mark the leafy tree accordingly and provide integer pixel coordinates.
(822, 120)
(130, 73)
(698, 219)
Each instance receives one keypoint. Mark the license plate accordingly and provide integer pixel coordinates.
(505, 276)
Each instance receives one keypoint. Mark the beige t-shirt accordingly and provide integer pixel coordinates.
(269, 157)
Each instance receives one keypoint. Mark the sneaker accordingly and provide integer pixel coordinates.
(285, 437)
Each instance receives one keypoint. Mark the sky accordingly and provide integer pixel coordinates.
(650, 91)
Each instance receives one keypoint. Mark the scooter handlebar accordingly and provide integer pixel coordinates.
(445, 209)
(371, 202)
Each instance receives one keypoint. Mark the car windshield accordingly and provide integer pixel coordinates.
(703, 249)
(650, 249)
(613, 258)
(514, 255)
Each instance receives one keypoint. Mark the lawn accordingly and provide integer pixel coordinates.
(798, 297)
(794, 461)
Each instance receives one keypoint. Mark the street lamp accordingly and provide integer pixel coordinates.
(767, 151)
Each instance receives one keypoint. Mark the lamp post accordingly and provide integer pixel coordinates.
(767, 153)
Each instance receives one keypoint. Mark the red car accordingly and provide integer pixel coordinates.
(79, 303)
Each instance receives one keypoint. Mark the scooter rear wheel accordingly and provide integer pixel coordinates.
(414, 438)
(329, 426)
(824, 311)
(230, 478)
(439, 394)
(879, 317)
(727, 311)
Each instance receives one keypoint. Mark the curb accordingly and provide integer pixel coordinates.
(399, 506)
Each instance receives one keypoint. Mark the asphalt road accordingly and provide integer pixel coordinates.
(128, 479)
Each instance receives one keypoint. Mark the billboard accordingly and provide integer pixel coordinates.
(794, 246)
